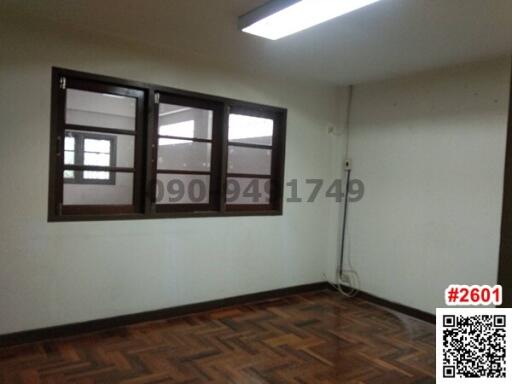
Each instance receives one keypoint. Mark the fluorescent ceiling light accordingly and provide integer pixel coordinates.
(280, 18)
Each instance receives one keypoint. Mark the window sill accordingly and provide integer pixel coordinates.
(166, 215)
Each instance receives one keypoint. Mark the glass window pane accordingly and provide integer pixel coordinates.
(96, 175)
(182, 189)
(119, 193)
(101, 159)
(100, 110)
(249, 160)
(122, 145)
(97, 145)
(250, 129)
(69, 143)
(69, 157)
(247, 191)
(174, 154)
(181, 121)
(69, 174)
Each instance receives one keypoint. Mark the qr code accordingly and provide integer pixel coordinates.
(472, 344)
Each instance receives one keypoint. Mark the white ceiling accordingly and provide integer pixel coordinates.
(386, 39)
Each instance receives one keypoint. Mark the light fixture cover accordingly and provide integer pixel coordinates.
(291, 16)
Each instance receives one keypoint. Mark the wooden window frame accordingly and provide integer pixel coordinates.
(148, 97)
(277, 161)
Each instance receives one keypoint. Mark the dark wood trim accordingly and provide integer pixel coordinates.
(163, 215)
(248, 176)
(87, 128)
(248, 207)
(406, 310)
(505, 261)
(184, 208)
(224, 158)
(249, 145)
(99, 168)
(194, 139)
(75, 329)
(183, 172)
(118, 321)
(55, 145)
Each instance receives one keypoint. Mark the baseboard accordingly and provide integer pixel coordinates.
(67, 330)
(413, 312)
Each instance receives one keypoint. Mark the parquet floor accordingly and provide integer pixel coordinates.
(317, 337)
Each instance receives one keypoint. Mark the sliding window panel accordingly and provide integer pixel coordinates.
(255, 158)
(187, 154)
(97, 160)
(249, 160)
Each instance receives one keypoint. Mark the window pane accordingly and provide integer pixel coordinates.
(69, 174)
(69, 143)
(183, 155)
(250, 129)
(181, 121)
(102, 159)
(96, 175)
(100, 110)
(182, 189)
(69, 157)
(247, 191)
(249, 160)
(97, 144)
(119, 193)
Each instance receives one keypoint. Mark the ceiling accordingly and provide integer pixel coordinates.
(386, 39)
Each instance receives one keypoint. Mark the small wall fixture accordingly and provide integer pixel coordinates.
(279, 18)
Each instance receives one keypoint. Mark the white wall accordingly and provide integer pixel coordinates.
(58, 273)
(430, 150)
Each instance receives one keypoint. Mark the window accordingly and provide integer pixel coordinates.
(187, 161)
(89, 149)
(122, 150)
(250, 158)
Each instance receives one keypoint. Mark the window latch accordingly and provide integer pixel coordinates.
(157, 98)
(62, 82)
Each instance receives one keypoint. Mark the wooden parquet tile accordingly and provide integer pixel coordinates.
(318, 337)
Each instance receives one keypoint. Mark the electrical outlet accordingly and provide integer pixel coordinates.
(348, 164)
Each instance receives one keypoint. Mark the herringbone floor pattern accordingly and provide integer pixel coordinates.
(318, 337)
